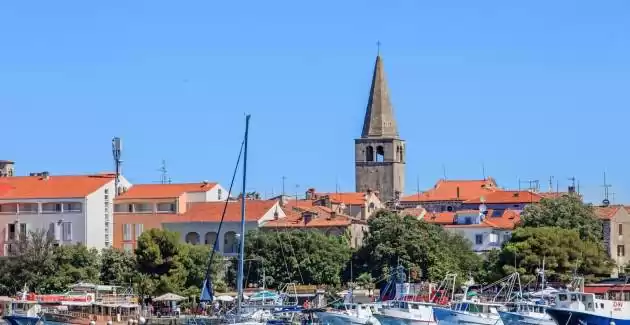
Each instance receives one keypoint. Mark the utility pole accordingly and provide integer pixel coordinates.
(606, 201)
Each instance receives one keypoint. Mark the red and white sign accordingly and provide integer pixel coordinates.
(51, 299)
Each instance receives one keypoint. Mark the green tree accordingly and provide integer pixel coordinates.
(74, 263)
(195, 260)
(117, 267)
(416, 245)
(159, 255)
(565, 254)
(567, 212)
(307, 257)
(31, 264)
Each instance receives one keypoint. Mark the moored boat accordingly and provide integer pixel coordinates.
(579, 308)
(526, 313)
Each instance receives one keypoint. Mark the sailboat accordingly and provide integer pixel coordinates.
(207, 291)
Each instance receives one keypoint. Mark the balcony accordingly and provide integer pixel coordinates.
(166, 208)
(72, 207)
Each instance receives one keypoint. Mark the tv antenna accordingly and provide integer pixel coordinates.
(534, 185)
(550, 183)
(117, 154)
(606, 201)
(164, 179)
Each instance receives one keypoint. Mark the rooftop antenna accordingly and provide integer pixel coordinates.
(534, 185)
(550, 184)
(164, 179)
(418, 187)
(572, 187)
(117, 153)
(337, 184)
(284, 178)
(606, 201)
(444, 171)
(483, 170)
(378, 48)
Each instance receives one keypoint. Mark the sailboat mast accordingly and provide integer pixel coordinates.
(241, 256)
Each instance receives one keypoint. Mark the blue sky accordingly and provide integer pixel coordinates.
(530, 89)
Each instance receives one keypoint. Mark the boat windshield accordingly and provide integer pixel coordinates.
(476, 307)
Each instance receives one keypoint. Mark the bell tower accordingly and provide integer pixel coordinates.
(379, 152)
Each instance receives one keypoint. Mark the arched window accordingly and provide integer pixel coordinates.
(369, 153)
(192, 238)
(380, 154)
(229, 242)
(401, 156)
(211, 237)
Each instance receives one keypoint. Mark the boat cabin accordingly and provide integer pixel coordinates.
(589, 302)
(478, 307)
(527, 307)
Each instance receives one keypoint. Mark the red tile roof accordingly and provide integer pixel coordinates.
(163, 191)
(508, 197)
(53, 187)
(447, 190)
(212, 211)
(441, 218)
(508, 220)
(322, 218)
(348, 198)
(607, 213)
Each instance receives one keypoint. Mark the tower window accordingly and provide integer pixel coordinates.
(369, 153)
(400, 154)
(380, 154)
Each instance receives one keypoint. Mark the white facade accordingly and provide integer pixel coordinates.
(205, 232)
(217, 193)
(483, 239)
(87, 220)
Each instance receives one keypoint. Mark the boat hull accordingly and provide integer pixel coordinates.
(386, 319)
(21, 320)
(339, 319)
(446, 315)
(575, 317)
(424, 316)
(510, 318)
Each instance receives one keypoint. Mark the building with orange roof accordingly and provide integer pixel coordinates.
(616, 230)
(358, 205)
(330, 221)
(449, 195)
(200, 223)
(142, 206)
(71, 208)
(503, 199)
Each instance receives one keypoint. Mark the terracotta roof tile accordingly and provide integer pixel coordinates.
(441, 218)
(212, 211)
(162, 191)
(507, 220)
(348, 198)
(447, 190)
(510, 197)
(322, 218)
(607, 213)
(53, 187)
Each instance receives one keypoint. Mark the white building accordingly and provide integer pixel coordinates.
(71, 209)
(200, 224)
(485, 233)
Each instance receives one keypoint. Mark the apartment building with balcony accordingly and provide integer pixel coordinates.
(70, 208)
(144, 206)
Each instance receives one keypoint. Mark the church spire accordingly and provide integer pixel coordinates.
(379, 116)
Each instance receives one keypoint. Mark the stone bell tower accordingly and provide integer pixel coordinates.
(379, 152)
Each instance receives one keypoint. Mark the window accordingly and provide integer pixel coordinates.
(28, 208)
(369, 153)
(11, 232)
(143, 207)
(72, 207)
(66, 229)
(126, 232)
(219, 194)
(51, 207)
(23, 231)
(166, 207)
(620, 229)
(621, 250)
(128, 247)
(478, 239)
(139, 230)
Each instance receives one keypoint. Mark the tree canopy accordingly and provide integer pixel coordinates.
(307, 257)
(567, 212)
(564, 252)
(416, 245)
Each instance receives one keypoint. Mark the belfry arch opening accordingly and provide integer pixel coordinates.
(380, 154)
(369, 153)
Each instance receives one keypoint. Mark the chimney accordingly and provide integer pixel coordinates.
(327, 202)
(310, 194)
(333, 214)
(283, 200)
(307, 216)
(458, 192)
